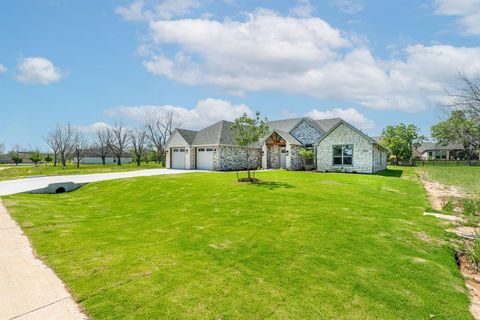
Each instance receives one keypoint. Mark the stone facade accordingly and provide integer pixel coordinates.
(273, 156)
(345, 135)
(227, 158)
(294, 161)
(306, 133)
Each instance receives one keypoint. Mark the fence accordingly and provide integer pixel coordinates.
(439, 163)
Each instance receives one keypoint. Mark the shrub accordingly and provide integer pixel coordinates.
(472, 251)
(469, 207)
(449, 205)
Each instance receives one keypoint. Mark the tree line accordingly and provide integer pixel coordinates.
(68, 143)
(461, 124)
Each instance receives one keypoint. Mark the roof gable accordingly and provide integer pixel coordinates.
(351, 127)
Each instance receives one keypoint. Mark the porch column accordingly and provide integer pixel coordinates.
(264, 156)
(288, 148)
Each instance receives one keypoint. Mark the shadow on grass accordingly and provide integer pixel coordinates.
(273, 185)
(391, 173)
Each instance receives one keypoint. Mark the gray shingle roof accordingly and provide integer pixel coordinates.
(327, 124)
(426, 146)
(285, 125)
(188, 135)
(218, 133)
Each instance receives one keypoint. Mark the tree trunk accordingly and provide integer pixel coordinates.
(78, 163)
(103, 160)
(248, 165)
(55, 160)
(119, 160)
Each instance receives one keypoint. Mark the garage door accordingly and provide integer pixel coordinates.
(178, 158)
(205, 158)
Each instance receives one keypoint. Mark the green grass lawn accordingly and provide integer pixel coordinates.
(18, 172)
(465, 177)
(202, 246)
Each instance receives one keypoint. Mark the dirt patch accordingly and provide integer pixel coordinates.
(425, 237)
(438, 193)
(472, 281)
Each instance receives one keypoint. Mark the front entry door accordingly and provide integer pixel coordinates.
(283, 158)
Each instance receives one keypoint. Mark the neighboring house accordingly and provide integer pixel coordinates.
(91, 157)
(338, 146)
(436, 151)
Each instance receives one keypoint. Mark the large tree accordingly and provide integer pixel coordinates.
(61, 140)
(120, 140)
(462, 124)
(138, 138)
(80, 146)
(401, 139)
(158, 129)
(249, 130)
(102, 143)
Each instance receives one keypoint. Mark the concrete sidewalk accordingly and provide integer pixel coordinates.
(28, 184)
(28, 288)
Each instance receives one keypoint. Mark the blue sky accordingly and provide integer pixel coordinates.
(90, 63)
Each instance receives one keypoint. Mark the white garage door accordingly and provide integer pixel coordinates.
(205, 158)
(178, 158)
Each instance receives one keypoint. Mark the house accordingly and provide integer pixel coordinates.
(437, 151)
(92, 157)
(337, 145)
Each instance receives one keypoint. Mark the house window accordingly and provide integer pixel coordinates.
(343, 154)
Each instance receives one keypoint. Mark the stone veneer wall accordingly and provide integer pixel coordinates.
(294, 161)
(362, 151)
(273, 157)
(306, 133)
(234, 158)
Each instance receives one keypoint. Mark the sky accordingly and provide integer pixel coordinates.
(91, 63)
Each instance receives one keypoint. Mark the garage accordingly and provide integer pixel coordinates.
(178, 158)
(205, 158)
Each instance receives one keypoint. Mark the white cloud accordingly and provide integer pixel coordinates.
(37, 70)
(92, 128)
(350, 115)
(466, 11)
(148, 10)
(267, 51)
(3, 68)
(206, 112)
(304, 9)
(349, 6)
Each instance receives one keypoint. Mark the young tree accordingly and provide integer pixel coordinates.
(80, 145)
(48, 158)
(401, 139)
(120, 141)
(15, 155)
(35, 156)
(103, 142)
(138, 137)
(249, 131)
(53, 141)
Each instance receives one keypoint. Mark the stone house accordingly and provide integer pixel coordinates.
(337, 146)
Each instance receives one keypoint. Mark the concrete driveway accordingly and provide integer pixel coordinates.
(29, 184)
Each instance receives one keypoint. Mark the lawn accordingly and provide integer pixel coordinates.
(202, 246)
(465, 177)
(18, 172)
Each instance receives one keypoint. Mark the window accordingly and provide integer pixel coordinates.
(343, 154)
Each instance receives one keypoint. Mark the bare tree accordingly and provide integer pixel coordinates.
(138, 139)
(66, 135)
(80, 145)
(467, 97)
(158, 129)
(2, 148)
(102, 144)
(53, 141)
(120, 140)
